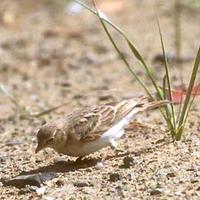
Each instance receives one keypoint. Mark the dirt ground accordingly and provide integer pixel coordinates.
(49, 57)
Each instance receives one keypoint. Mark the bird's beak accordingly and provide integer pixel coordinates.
(38, 148)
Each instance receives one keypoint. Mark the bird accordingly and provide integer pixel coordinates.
(87, 130)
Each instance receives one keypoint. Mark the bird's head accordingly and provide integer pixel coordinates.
(47, 136)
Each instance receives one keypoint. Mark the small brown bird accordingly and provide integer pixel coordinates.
(88, 130)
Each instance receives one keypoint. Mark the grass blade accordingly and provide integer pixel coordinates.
(186, 105)
(130, 44)
(9, 95)
(22, 110)
(120, 53)
(169, 108)
(45, 112)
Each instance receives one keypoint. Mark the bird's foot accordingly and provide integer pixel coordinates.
(114, 147)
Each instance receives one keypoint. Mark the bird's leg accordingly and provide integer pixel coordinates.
(113, 145)
(106, 155)
(109, 153)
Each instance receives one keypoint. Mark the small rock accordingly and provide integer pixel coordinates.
(129, 177)
(120, 191)
(3, 159)
(65, 84)
(171, 58)
(82, 184)
(128, 162)
(78, 96)
(114, 177)
(171, 175)
(161, 58)
(99, 165)
(105, 97)
(156, 191)
(198, 188)
(40, 191)
(59, 183)
(30, 179)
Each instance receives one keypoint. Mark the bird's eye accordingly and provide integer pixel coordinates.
(50, 140)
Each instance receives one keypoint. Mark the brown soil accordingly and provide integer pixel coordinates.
(49, 57)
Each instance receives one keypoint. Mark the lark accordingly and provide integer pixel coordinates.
(88, 130)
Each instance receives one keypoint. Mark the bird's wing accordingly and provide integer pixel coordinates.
(89, 124)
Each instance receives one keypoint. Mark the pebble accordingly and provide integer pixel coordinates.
(82, 184)
(30, 179)
(99, 165)
(128, 162)
(40, 191)
(115, 177)
(156, 191)
(171, 175)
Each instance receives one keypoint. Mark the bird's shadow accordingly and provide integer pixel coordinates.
(69, 165)
(38, 176)
(64, 166)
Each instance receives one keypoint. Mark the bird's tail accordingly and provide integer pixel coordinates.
(145, 104)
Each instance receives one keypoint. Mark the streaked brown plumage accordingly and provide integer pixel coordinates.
(88, 130)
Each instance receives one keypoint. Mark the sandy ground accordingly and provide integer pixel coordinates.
(50, 57)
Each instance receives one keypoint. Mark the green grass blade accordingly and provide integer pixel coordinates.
(102, 17)
(188, 95)
(130, 44)
(189, 107)
(45, 112)
(121, 54)
(170, 113)
(127, 64)
(147, 69)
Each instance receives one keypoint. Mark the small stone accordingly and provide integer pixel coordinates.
(82, 184)
(78, 96)
(105, 97)
(99, 165)
(114, 177)
(128, 162)
(59, 183)
(129, 177)
(40, 191)
(120, 191)
(3, 159)
(160, 58)
(30, 179)
(156, 191)
(171, 175)
(198, 188)
(65, 84)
